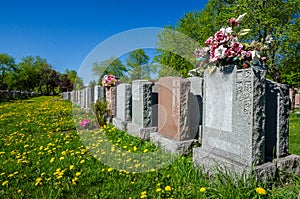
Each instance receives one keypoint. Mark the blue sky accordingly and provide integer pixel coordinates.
(65, 32)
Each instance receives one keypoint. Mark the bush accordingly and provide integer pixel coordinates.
(100, 109)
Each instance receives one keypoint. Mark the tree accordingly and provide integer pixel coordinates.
(176, 48)
(112, 66)
(7, 65)
(71, 74)
(137, 62)
(277, 18)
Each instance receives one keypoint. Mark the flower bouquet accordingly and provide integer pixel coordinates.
(109, 80)
(224, 49)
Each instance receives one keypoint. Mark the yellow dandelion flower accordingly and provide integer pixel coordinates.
(144, 193)
(26, 145)
(261, 191)
(52, 160)
(202, 189)
(78, 173)
(109, 169)
(71, 167)
(82, 161)
(158, 190)
(102, 170)
(59, 176)
(10, 175)
(168, 188)
(38, 181)
(16, 172)
(146, 150)
(2, 173)
(134, 148)
(5, 183)
(19, 191)
(143, 196)
(61, 158)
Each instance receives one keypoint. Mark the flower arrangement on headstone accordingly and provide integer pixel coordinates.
(109, 82)
(224, 49)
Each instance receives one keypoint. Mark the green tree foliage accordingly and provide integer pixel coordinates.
(7, 65)
(137, 62)
(277, 18)
(112, 66)
(176, 48)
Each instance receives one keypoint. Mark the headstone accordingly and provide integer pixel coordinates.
(178, 115)
(72, 96)
(196, 103)
(88, 97)
(234, 120)
(277, 120)
(123, 106)
(174, 117)
(245, 125)
(110, 94)
(141, 125)
(98, 93)
(154, 102)
(297, 100)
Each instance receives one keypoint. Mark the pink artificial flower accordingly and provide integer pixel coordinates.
(84, 122)
(237, 47)
(233, 22)
(220, 36)
(209, 41)
(230, 53)
(263, 59)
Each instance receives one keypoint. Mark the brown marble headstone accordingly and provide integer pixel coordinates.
(173, 112)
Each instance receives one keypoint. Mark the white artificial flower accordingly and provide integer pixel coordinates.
(228, 30)
(220, 52)
(240, 18)
(269, 39)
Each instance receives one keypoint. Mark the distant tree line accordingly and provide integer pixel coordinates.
(35, 74)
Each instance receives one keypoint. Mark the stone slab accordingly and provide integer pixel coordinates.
(268, 171)
(140, 131)
(119, 124)
(277, 120)
(172, 146)
(178, 115)
(141, 103)
(123, 104)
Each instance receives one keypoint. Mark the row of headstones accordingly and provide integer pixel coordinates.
(240, 118)
(8, 95)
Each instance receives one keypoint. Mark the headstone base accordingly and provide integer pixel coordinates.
(170, 145)
(119, 124)
(140, 131)
(212, 163)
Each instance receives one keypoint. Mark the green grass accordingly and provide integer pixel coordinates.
(294, 134)
(42, 156)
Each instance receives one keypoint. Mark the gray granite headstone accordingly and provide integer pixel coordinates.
(124, 102)
(196, 103)
(141, 103)
(141, 125)
(154, 102)
(277, 120)
(88, 97)
(73, 96)
(123, 106)
(234, 120)
(98, 93)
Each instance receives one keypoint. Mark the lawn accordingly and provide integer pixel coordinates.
(43, 156)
